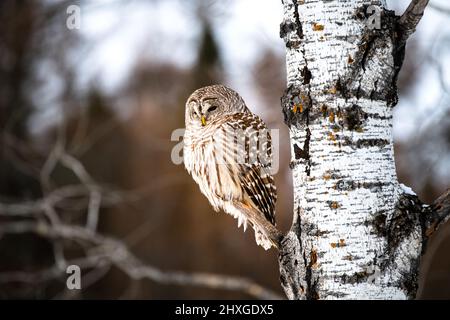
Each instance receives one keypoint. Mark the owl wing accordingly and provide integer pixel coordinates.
(259, 186)
(246, 143)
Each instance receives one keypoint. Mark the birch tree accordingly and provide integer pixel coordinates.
(357, 233)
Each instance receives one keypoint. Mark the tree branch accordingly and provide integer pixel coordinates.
(42, 217)
(116, 253)
(438, 213)
(411, 18)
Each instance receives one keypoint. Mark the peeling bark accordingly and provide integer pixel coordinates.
(356, 233)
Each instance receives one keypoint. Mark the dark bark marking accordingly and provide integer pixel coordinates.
(306, 149)
(312, 292)
(336, 294)
(355, 82)
(339, 87)
(366, 48)
(373, 92)
(350, 59)
(361, 13)
(399, 57)
(297, 227)
(355, 278)
(378, 224)
(346, 185)
(286, 103)
(296, 104)
(313, 257)
(309, 228)
(409, 213)
(403, 221)
(355, 117)
(319, 233)
(292, 44)
(283, 280)
(292, 164)
(303, 153)
(377, 116)
(297, 20)
(299, 152)
(324, 110)
(306, 74)
(365, 143)
(409, 281)
(295, 97)
(331, 175)
(286, 27)
(396, 228)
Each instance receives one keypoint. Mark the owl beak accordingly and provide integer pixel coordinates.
(203, 121)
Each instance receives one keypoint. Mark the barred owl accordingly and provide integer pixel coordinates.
(227, 150)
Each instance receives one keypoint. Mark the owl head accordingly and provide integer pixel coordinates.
(209, 104)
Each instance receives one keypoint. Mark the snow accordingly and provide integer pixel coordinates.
(407, 190)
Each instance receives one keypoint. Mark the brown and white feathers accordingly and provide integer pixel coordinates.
(228, 152)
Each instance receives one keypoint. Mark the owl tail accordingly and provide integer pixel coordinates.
(262, 240)
(266, 234)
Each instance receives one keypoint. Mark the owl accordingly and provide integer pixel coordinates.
(228, 152)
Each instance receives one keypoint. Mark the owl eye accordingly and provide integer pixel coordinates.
(212, 108)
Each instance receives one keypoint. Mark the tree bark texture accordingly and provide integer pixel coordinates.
(357, 233)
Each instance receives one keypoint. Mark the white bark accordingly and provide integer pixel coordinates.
(356, 234)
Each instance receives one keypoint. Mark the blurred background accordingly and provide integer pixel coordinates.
(86, 115)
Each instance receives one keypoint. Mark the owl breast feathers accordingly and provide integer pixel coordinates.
(228, 152)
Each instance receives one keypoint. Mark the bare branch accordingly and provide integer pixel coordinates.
(97, 134)
(95, 201)
(19, 154)
(77, 168)
(119, 255)
(438, 213)
(411, 18)
(53, 158)
(77, 197)
(100, 252)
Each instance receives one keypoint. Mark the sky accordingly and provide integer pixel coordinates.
(165, 31)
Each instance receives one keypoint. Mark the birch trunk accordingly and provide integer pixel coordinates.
(356, 233)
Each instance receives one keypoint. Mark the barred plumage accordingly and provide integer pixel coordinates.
(227, 150)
